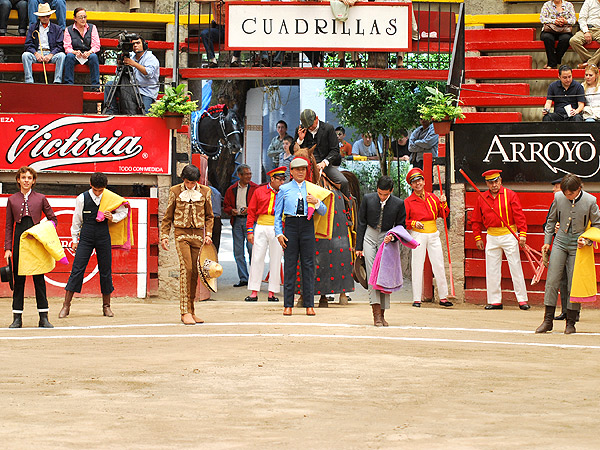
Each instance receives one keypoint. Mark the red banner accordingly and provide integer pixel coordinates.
(86, 144)
(129, 268)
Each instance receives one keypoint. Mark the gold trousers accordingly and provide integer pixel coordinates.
(188, 242)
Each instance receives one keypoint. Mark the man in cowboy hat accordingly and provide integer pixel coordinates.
(261, 234)
(379, 212)
(499, 239)
(189, 211)
(58, 6)
(292, 202)
(422, 210)
(44, 44)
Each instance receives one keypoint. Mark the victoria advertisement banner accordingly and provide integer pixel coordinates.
(384, 26)
(71, 143)
(527, 152)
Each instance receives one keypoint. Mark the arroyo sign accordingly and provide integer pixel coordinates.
(528, 152)
(384, 26)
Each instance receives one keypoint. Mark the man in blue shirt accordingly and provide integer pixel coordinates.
(423, 140)
(299, 237)
(147, 71)
(568, 96)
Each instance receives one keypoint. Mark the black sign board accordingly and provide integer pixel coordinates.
(529, 151)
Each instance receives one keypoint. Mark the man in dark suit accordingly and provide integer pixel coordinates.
(314, 132)
(379, 212)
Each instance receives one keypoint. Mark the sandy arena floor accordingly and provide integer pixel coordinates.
(251, 378)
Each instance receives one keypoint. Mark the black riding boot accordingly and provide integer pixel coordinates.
(17, 321)
(44, 323)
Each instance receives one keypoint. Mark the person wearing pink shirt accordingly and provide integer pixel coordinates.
(82, 45)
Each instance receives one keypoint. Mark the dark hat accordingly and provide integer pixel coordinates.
(557, 181)
(307, 118)
(359, 272)
(6, 274)
(491, 175)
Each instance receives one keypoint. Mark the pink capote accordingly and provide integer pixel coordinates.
(389, 279)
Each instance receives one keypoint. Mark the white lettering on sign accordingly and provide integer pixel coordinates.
(75, 149)
(308, 26)
(564, 153)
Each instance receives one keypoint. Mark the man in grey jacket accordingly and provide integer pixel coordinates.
(573, 209)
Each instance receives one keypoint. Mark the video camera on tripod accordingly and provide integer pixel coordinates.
(125, 83)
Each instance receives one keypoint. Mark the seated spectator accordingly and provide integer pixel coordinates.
(399, 147)
(591, 111)
(558, 18)
(345, 146)
(216, 32)
(21, 7)
(285, 158)
(146, 69)
(422, 140)
(82, 44)
(44, 43)
(276, 146)
(568, 97)
(60, 6)
(589, 30)
(365, 147)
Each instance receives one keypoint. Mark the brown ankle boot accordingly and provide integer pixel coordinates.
(106, 306)
(548, 320)
(377, 315)
(571, 316)
(66, 308)
(383, 321)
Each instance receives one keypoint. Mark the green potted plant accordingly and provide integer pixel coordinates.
(439, 108)
(173, 106)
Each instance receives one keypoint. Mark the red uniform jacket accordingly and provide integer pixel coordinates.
(419, 210)
(262, 202)
(231, 194)
(506, 204)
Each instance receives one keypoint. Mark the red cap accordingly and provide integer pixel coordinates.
(277, 171)
(414, 174)
(491, 175)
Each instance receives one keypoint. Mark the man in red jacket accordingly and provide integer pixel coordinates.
(235, 204)
(506, 204)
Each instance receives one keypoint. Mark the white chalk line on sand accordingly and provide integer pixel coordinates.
(299, 335)
(295, 324)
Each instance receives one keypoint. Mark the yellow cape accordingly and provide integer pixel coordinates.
(323, 223)
(583, 286)
(121, 233)
(39, 248)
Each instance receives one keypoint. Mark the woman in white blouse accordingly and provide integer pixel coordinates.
(591, 112)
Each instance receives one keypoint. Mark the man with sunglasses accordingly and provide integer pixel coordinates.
(261, 234)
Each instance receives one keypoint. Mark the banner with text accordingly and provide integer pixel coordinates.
(371, 26)
(527, 152)
(78, 143)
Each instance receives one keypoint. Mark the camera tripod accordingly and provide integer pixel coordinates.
(130, 99)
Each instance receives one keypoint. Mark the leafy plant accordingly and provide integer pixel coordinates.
(176, 100)
(439, 107)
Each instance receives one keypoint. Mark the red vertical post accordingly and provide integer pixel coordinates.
(427, 272)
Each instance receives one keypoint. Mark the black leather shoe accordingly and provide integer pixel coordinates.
(562, 316)
(212, 65)
(417, 304)
(493, 306)
(446, 303)
(273, 299)
(524, 306)
(251, 299)
(241, 283)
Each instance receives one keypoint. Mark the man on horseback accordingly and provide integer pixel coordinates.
(313, 132)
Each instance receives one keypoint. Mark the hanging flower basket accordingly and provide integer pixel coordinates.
(173, 120)
(442, 128)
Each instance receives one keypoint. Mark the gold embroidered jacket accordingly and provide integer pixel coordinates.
(188, 214)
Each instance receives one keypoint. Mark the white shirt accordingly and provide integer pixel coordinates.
(44, 44)
(589, 15)
(118, 215)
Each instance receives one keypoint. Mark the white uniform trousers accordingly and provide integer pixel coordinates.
(428, 243)
(493, 267)
(264, 237)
